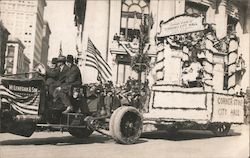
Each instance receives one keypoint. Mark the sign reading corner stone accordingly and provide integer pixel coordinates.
(180, 25)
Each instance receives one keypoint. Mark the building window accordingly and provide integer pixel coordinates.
(9, 70)
(231, 24)
(196, 8)
(133, 12)
(11, 50)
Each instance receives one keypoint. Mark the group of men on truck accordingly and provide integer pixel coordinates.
(61, 76)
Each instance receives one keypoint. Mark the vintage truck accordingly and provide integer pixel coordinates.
(25, 105)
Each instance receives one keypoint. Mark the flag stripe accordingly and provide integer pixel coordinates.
(26, 104)
(95, 60)
(94, 66)
(33, 100)
(126, 49)
(2, 88)
(99, 61)
(26, 111)
(100, 68)
(31, 107)
(5, 100)
(22, 108)
(93, 50)
(23, 105)
(17, 109)
(8, 93)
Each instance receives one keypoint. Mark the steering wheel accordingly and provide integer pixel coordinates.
(40, 68)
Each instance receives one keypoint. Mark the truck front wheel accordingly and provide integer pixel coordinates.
(126, 125)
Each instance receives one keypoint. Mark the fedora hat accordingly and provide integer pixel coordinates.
(54, 60)
(61, 58)
(70, 59)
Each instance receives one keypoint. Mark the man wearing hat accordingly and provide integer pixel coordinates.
(73, 78)
(52, 75)
(61, 76)
(63, 69)
(74, 75)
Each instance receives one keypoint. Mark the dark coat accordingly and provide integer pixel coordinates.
(52, 75)
(62, 75)
(74, 76)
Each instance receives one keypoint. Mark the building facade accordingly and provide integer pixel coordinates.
(45, 43)
(16, 61)
(24, 20)
(122, 18)
(3, 40)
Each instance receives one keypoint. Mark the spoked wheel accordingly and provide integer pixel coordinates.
(78, 132)
(220, 129)
(126, 125)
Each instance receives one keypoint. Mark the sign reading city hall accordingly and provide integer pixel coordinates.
(180, 25)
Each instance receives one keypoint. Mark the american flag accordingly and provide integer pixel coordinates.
(21, 104)
(94, 59)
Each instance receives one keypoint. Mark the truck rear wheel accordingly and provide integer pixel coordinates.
(126, 125)
(172, 130)
(220, 129)
(77, 132)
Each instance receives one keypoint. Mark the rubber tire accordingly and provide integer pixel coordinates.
(172, 131)
(111, 121)
(220, 129)
(79, 132)
(118, 121)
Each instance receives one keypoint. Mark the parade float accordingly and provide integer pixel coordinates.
(197, 78)
(197, 86)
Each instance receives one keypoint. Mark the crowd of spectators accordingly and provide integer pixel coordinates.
(109, 96)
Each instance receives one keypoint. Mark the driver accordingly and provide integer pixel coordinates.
(63, 69)
(52, 76)
(61, 76)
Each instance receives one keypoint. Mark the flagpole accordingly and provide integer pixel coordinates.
(60, 49)
(141, 50)
(108, 31)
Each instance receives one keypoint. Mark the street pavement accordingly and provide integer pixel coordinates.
(188, 143)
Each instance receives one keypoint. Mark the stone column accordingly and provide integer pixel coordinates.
(232, 57)
(115, 16)
(221, 20)
(160, 63)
